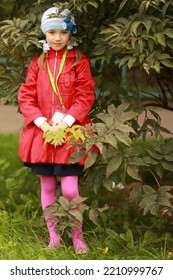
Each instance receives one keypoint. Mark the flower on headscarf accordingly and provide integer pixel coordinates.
(71, 26)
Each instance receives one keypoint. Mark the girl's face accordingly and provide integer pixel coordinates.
(57, 39)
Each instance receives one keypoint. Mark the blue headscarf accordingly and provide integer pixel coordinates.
(53, 19)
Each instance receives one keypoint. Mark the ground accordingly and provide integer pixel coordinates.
(11, 121)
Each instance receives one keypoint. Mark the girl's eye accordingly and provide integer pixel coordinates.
(64, 32)
(51, 32)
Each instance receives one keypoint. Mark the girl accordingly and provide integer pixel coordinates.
(58, 93)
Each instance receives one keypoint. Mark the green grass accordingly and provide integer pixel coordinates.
(24, 236)
(22, 239)
(9, 150)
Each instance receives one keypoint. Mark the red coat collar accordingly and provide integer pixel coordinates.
(52, 53)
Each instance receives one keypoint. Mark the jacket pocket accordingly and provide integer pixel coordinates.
(66, 83)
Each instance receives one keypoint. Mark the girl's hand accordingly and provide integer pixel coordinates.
(63, 125)
(45, 127)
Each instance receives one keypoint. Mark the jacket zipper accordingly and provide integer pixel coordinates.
(53, 97)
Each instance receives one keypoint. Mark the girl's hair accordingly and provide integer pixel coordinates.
(43, 55)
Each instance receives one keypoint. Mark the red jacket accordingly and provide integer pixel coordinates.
(36, 98)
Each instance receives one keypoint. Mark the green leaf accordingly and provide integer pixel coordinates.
(159, 170)
(124, 138)
(133, 172)
(97, 182)
(149, 161)
(77, 156)
(113, 165)
(134, 27)
(147, 23)
(76, 133)
(99, 50)
(8, 30)
(110, 139)
(101, 147)
(131, 62)
(147, 208)
(124, 60)
(164, 201)
(109, 152)
(54, 136)
(102, 209)
(65, 204)
(122, 4)
(111, 110)
(93, 216)
(161, 39)
(76, 214)
(154, 209)
(124, 115)
(101, 127)
(91, 159)
(167, 165)
(23, 23)
(148, 190)
(108, 184)
(168, 157)
(168, 32)
(163, 56)
(167, 63)
(93, 3)
(8, 22)
(76, 201)
(52, 209)
(154, 155)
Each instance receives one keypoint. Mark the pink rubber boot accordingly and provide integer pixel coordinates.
(69, 187)
(79, 244)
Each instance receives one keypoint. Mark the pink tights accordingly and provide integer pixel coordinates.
(69, 188)
(48, 194)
